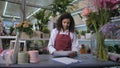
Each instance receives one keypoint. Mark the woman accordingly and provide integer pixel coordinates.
(63, 38)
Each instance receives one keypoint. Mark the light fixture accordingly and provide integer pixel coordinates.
(33, 13)
(11, 16)
(4, 11)
(6, 3)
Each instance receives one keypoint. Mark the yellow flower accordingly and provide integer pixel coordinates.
(25, 25)
(18, 25)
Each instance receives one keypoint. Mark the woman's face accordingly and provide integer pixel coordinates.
(65, 24)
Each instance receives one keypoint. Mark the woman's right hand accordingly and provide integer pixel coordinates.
(72, 54)
(65, 53)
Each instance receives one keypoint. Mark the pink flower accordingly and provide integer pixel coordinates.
(85, 11)
(103, 4)
(112, 4)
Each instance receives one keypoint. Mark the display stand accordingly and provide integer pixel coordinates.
(15, 49)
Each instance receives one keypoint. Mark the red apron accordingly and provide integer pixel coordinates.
(63, 42)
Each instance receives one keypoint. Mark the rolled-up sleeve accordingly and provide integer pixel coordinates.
(75, 42)
(51, 42)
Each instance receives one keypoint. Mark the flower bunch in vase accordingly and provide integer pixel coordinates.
(98, 14)
(24, 26)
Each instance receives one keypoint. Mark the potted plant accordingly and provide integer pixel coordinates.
(46, 32)
(88, 34)
(11, 30)
(83, 34)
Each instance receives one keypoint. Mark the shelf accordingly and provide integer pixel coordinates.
(112, 40)
(115, 19)
(83, 40)
(105, 40)
(34, 38)
(13, 37)
(8, 37)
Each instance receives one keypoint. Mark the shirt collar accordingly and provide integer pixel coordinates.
(65, 31)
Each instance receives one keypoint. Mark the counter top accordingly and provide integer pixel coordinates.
(88, 61)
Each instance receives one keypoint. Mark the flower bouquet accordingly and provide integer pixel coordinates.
(24, 27)
(98, 15)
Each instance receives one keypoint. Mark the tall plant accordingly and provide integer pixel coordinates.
(42, 18)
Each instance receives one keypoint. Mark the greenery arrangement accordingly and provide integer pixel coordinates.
(88, 31)
(45, 30)
(11, 30)
(83, 32)
(114, 48)
(24, 26)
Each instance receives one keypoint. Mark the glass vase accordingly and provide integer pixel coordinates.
(101, 50)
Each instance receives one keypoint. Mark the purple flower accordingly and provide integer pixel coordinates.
(109, 29)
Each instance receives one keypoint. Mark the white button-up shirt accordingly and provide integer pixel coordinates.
(54, 33)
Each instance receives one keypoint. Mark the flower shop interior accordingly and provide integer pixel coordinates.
(25, 27)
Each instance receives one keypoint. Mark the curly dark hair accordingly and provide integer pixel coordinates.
(66, 16)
